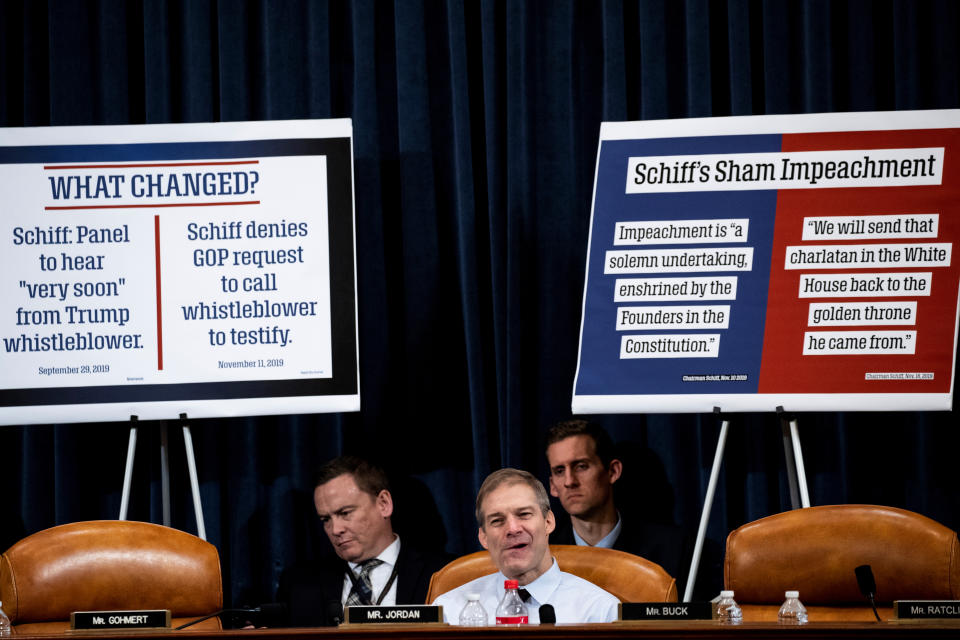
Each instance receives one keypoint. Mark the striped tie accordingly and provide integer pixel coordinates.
(362, 592)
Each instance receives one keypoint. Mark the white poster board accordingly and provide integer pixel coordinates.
(154, 270)
(746, 263)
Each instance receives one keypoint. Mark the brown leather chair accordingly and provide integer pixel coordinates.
(815, 551)
(628, 577)
(108, 565)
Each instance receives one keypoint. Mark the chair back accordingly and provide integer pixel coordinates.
(815, 551)
(108, 565)
(628, 577)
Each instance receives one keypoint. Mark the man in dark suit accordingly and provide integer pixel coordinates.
(583, 471)
(353, 501)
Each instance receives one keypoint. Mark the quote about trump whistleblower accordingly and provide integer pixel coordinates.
(94, 285)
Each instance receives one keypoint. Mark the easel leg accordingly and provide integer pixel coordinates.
(707, 506)
(128, 470)
(194, 482)
(793, 457)
(798, 459)
(165, 473)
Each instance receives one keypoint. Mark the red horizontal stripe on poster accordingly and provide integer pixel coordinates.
(153, 206)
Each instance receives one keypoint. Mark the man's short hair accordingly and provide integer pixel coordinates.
(369, 477)
(569, 428)
(508, 475)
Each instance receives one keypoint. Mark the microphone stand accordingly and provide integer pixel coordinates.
(868, 586)
(212, 615)
(260, 609)
(874, 605)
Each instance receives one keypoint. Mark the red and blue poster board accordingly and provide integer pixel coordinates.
(748, 263)
(154, 270)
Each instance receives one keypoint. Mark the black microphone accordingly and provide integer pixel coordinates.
(272, 609)
(269, 609)
(335, 611)
(868, 586)
(547, 614)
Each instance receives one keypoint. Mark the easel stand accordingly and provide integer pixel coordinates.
(796, 477)
(164, 472)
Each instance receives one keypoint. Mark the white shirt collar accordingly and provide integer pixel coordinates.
(388, 556)
(606, 542)
(541, 589)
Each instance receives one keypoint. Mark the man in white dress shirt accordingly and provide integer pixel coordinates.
(515, 521)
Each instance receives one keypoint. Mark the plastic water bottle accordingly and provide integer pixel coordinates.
(5, 628)
(727, 610)
(792, 611)
(473, 614)
(511, 609)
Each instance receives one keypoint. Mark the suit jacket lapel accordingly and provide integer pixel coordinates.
(406, 575)
(332, 581)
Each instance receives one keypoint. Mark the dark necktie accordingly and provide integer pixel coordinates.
(362, 592)
(524, 595)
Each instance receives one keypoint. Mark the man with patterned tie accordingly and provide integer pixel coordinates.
(353, 500)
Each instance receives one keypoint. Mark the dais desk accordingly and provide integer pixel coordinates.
(614, 631)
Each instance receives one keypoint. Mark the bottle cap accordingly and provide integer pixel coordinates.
(511, 584)
(726, 594)
(473, 596)
(792, 594)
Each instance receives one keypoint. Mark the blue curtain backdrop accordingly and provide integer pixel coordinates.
(476, 127)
